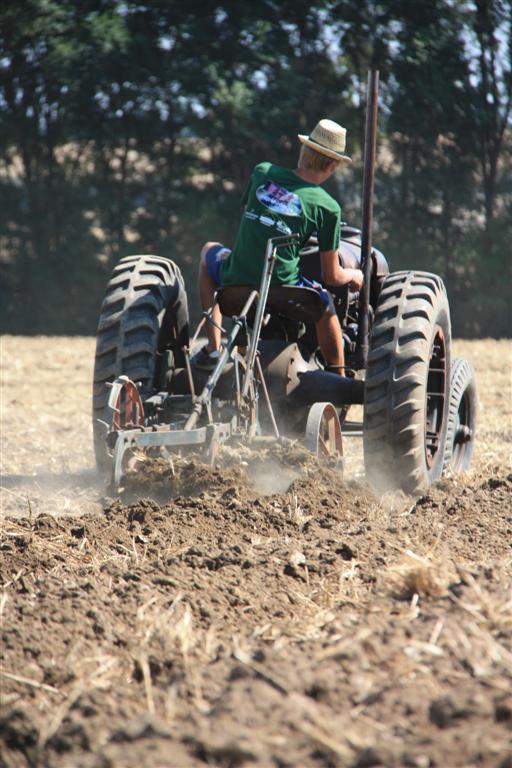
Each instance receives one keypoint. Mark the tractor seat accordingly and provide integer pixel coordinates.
(291, 301)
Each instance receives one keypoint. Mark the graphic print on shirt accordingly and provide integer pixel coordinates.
(268, 221)
(279, 200)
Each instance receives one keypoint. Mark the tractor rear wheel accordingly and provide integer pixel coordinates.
(460, 434)
(407, 384)
(142, 328)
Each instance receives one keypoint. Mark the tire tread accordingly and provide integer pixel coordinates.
(410, 304)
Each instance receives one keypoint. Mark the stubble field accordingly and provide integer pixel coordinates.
(224, 626)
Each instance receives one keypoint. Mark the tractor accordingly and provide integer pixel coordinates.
(270, 382)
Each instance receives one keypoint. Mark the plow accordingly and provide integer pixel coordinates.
(270, 383)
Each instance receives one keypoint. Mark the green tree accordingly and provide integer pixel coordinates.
(491, 22)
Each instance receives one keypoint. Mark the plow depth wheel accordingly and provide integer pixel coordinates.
(323, 431)
(124, 406)
(123, 410)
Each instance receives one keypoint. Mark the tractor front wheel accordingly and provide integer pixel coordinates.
(460, 435)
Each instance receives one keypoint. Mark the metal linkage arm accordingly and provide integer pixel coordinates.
(205, 396)
(266, 278)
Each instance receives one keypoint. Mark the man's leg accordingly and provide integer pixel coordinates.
(207, 288)
(330, 341)
(328, 328)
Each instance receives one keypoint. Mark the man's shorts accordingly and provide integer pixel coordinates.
(217, 254)
(214, 258)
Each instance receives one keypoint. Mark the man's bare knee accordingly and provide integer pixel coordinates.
(206, 247)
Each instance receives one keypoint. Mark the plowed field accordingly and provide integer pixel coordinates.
(246, 621)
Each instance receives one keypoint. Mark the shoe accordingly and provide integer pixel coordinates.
(205, 360)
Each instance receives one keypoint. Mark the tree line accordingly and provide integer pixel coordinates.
(132, 127)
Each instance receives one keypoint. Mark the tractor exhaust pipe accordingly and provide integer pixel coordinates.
(370, 142)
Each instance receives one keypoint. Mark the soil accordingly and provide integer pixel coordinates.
(265, 613)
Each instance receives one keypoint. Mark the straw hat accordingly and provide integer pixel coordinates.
(328, 138)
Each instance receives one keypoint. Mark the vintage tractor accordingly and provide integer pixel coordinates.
(270, 383)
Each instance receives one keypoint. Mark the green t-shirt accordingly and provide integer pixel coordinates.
(278, 202)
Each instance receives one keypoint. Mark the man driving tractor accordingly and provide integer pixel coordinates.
(281, 201)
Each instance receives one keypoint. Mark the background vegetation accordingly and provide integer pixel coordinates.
(132, 126)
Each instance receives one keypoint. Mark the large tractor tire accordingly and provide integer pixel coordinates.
(407, 384)
(462, 406)
(142, 328)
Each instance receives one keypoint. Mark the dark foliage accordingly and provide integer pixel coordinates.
(132, 127)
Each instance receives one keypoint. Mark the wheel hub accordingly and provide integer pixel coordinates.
(435, 404)
(464, 434)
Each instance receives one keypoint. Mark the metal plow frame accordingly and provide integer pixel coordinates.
(131, 434)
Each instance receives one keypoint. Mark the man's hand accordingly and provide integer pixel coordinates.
(356, 279)
(334, 274)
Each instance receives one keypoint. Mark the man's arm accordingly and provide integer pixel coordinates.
(334, 274)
